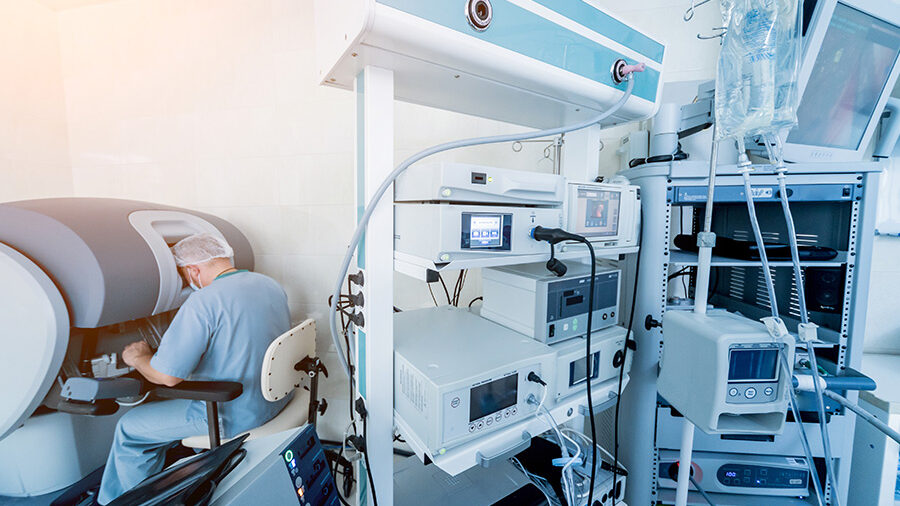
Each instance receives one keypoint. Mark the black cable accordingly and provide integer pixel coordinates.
(368, 466)
(587, 360)
(432, 294)
(473, 300)
(446, 292)
(637, 271)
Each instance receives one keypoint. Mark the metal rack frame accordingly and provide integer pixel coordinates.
(645, 436)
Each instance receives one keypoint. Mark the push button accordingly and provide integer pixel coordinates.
(489, 421)
(768, 391)
(471, 427)
(479, 425)
(733, 392)
(750, 393)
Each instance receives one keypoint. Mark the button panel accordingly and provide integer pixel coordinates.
(751, 393)
(756, 476)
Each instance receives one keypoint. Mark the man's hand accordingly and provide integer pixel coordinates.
(135, 351)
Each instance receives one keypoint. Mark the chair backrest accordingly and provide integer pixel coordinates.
(278, 375)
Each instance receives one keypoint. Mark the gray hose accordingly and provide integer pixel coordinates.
(702, 492)
(865, 415)
(760, 245)
(804, 440)
(389, 180)
(804, 318)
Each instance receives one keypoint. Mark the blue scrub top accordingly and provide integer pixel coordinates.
(221, 333)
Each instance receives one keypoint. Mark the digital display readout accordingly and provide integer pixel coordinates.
(753, 364)
(494, 396)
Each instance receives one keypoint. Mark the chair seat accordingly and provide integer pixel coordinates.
(294, 414)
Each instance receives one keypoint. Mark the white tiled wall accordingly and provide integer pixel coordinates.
(34, 157)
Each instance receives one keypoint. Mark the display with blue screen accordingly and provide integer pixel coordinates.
(850, 72)
(757, 364)
(493, 396)
(486, 231)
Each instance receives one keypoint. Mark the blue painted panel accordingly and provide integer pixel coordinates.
(608, 26)
(526, 33)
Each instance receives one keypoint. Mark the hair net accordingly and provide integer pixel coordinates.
(200, 248)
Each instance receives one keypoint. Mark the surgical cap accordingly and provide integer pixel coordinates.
(200, 248)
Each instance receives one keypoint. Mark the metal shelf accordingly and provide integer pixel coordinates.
(679, 257)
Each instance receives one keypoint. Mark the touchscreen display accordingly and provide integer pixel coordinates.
(598, 212)
(486, 231)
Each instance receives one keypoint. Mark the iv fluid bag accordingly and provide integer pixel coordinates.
(756, 78)
(788, 26)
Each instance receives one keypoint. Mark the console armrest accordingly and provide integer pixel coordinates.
(210, 391)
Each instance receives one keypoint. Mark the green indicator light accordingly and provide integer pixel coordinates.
(575, 324)
(288, 456)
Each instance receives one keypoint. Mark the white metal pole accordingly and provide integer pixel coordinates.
(684, 463)
(375, 340)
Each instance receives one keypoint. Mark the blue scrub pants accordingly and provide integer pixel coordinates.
(142, 437)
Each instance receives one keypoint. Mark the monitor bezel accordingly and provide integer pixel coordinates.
(890, 13)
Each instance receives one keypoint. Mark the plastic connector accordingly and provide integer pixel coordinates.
(534, 378)
(775, 326)
(808, 332)
(358, 279)
(706, 240)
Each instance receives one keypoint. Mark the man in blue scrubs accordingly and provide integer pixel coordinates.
(221, 333)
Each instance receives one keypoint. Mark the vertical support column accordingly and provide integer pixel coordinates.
(375, 340)
(637, 423)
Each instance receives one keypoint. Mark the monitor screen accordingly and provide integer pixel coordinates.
(493, 396)
(578, 371)
(598, 212)
(850, 73)
(486, 231)
(760, 364)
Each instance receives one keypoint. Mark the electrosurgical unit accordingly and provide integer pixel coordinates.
(534, 301)
(442, 233)
(724, 372)
(458, 376)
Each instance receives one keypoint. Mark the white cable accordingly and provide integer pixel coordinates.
(568, 488)
(131, 404)
(386, 184)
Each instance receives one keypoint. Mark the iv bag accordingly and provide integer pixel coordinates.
(788, 27)
(757, 71)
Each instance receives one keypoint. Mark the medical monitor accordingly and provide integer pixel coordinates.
(848, 71)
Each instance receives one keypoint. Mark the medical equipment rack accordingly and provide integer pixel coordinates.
(833, 205)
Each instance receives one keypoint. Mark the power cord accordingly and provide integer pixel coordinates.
(361, 444)
(554, 236)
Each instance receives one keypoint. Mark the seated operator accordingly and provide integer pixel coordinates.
(221, 333)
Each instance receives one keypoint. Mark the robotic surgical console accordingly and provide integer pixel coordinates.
(79, 279)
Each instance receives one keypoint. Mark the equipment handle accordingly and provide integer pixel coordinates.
(489, 460)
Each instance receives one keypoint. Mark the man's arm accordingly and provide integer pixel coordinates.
(138, 355)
